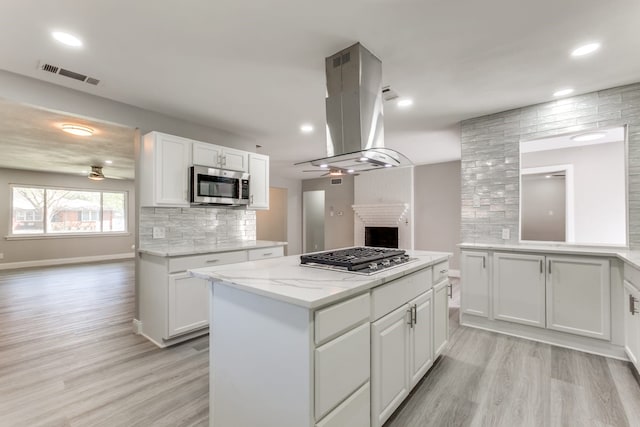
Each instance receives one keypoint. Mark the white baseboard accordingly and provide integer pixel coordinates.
(61, 261)
(454, 273)
(137, 327)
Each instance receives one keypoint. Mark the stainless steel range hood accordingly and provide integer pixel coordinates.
(355, 129)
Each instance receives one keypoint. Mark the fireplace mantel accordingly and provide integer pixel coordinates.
(382, 214)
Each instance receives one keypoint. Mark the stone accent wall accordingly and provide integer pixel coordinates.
(193, 227)
(490, 157)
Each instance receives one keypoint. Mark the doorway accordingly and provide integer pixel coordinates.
(272, 224)
(313, 221)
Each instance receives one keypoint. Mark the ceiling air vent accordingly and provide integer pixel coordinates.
(389, 94)
(54, 69)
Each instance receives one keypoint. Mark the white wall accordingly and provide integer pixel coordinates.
(394, 185)
(437, 209)
(599, 189)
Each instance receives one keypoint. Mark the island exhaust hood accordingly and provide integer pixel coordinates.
(355, 130)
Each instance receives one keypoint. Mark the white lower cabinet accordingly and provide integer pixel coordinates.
(474, 288)
(519, 288)
(389, 364)
(632, 323)
(578, 296)
(188, 304)
(401, 353)
(175, 306)
(353, 412)
(440, 317)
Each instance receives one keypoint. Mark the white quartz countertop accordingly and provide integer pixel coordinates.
(286, 280)
(624, 254)
(171, 251)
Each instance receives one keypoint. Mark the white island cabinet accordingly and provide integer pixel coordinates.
(304, 347)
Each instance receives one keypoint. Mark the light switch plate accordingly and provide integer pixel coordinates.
(158, 232)
(506, 234)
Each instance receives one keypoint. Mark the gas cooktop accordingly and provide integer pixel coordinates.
(361, 260)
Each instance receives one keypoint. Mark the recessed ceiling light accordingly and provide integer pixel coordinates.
(77, 130)
(405, 102)
(364, 159)
(306, 128)
(324, 165)
(547, 176)
(351, 171)
(563, 92)
(585, 49)
(108, 161)
(591, 136)
(387, 165)
(66, 38)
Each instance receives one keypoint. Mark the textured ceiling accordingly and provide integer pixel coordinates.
(30, 138)
(256, 68)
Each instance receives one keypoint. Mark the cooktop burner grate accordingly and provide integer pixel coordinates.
(352, 259)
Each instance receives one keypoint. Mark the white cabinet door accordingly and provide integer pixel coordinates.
(632, 323)
(188, 304)
(258, 181)
(164, 170)
(578, 296)
(474, 286)
(206, 154)
(235, 160)
(389, 364)
(440, 317)
(421, 337)
(519, 288)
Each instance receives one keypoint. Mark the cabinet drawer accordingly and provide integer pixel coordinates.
(388, 297)
(207, 260)
(632, 274)
(264, 253)
(353, 412)
(341, 367)
(338, 318)
(440, 271)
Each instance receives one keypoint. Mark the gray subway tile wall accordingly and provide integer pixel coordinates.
(196, 227)
(491, 161)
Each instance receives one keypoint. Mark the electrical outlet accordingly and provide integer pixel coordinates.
(158, 232)
(506, 234)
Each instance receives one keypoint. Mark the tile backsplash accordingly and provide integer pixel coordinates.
(491, 161)
(193, 227)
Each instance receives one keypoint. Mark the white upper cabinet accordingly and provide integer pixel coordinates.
(258, 181)
(206, 154)
(164, 170)
(215, 156)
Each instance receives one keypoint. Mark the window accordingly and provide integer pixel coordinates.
(66, 211)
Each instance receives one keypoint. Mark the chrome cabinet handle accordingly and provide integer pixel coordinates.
(443, 271)
(414, 314)
(410, 322)
(484, 262)
(540, 266)
(450, 290)
(549, 267)
(267, 254)
(632, 305)
(211, 261)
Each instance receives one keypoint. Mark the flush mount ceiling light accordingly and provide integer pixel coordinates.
(405, 102)
(563, 92)
(306, 128)
(96, 173)
(77, 130)
(66, 38)
(585, 49)
(591, 136)
(108, 161)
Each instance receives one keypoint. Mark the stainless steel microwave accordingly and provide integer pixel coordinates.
(209, 186)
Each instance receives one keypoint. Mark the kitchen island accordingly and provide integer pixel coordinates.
(292, 345)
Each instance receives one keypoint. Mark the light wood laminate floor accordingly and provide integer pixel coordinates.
(68, 358)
